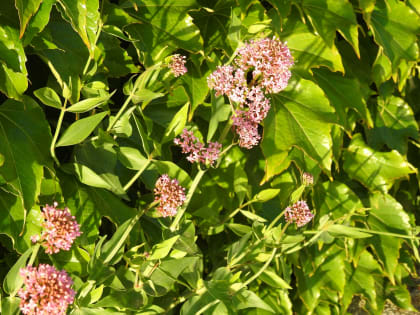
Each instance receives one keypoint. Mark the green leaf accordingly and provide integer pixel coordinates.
(10, 306)
(165, 26)
(219, 112)
(346, 231)
(387, 215)
(48, 97)
(395, 27)
(174, 171)
(300, 117)
(89, 104)
(131, 158)
(84, 17)
(329, 16)
(26, 9)
(24, 142)
(38, 22)
(394, 124)
(80, 130)
(162, 249)
(195, 85)
(127, 299)
(74, 261)
(375, 170)
(336, 199)
(177, 124)
(266, 194)
(344, 94)
(13, 281)
(308, 49)
(248, 299)
(270, 277)
(13, 73)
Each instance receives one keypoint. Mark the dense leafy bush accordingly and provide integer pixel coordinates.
(94, 94)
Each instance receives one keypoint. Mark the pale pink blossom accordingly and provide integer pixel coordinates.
(169, 194)
(177, 65)
(246, 129)
(299, 213)
(60, 229)
(307, 179)
(197, 152)
(46, 291)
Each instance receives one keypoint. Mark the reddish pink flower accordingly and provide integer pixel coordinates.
(60, 229)
(47, 291)
(197, 151)
(177, 65)
(269, 59)
(307, 179)
(299, 213)
(169, 194)
(246, 129)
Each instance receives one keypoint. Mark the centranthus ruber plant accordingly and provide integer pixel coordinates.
(208, 157)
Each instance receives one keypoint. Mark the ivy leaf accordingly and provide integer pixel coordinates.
(394, 123)
(329, 16)
(301, 117)
(387, 215)
(165, 26)
(336, 199)
(13, 80)
(83, 16)
(24, 142)
(375, 170)
(344, 93)
(395, 27)
(308, 49)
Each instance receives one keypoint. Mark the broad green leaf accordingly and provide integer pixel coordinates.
(177, 124)
(26, 9)
(48, 97)
(13, 281)
(131, 158)
(80, 130)
(84, 17)
(89, 104)
(387, 215)
(12, 215)
(195, 85)
(301, 117)
(38, 22)
(219, 112)
(266, 194)
(381, 69)
(165, 26)
(252, 216)
(344, 94)
(74, 261)
(174, 171)
(13, 73)
(336, 199)
(376, 170)
(308, 49)
(329, 16)
(127, 299)
(395, 28)
(162, 249)
(248, 299)
(394, 123)
(271, 277)
(24, 142)
(346, 231)
(10, 305)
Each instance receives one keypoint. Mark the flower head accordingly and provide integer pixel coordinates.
(269, 59)
(197, 151)
(299, 213)
(247, 129)
(307, 179)
(47, 291)
(60, 229)
(177, 65)
(169, 194)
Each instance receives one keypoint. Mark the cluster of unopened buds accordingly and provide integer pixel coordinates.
(169, 194)
(60, 229)
(268, 62)
(196, 150)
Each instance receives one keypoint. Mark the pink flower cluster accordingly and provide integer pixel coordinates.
(177, 65)
(60, 229)
(269, 61)
(47, 291)
(196, 150)
(299, 213)
(169, 194)
(307, 179)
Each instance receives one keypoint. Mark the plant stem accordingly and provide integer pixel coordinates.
(91, 53)
(255, 276)
(412, 237)
(34, 254)
(196, 181)
(137, 175)
(57, 132)
(276, 219)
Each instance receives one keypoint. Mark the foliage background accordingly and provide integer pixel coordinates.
(349, 117)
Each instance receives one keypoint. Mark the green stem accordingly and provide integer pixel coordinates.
(137, 175)
(196, 181)
(34, 254)
(57, 132)
(276, 219)
(373, 232)
(225, 131)
(91, 53)
(255, 276)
